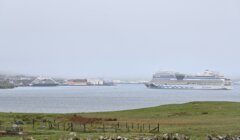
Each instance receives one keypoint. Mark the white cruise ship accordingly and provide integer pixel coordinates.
(208, 80)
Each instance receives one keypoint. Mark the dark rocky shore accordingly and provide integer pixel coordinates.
(73, 136)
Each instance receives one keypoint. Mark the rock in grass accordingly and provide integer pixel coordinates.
(119, 138)
(227, 137)
(75, 138)
(174, 137)
(100, 138)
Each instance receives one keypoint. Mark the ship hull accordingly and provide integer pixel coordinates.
(189, 87)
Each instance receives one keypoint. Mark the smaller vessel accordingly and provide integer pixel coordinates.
(43, 82)
(208, 80)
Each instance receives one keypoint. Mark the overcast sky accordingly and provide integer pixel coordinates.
(119, 38)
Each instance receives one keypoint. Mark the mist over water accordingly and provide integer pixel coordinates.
(119, 39)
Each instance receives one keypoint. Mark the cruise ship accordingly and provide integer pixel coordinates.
(208, 80)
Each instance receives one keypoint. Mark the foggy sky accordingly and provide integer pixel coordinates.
(119, 38)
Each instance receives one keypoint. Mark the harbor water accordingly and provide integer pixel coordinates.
(73, 99)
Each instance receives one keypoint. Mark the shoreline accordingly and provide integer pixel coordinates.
(37, 113)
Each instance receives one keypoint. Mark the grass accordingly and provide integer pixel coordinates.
(195, 119)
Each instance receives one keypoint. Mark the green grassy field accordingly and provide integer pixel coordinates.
(195, 119)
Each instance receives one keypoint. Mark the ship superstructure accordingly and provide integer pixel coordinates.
(175, 80)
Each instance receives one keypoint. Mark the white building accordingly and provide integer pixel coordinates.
(95, 82)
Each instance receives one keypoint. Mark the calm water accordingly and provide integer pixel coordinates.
(92, 99)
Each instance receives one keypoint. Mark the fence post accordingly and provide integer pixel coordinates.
(103, 127)
(58, 126)
(71, 126)
(33, 123)
(49, 127)
(158, 129)
(84, 127)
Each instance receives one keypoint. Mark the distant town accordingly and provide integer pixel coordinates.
(12, 81)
